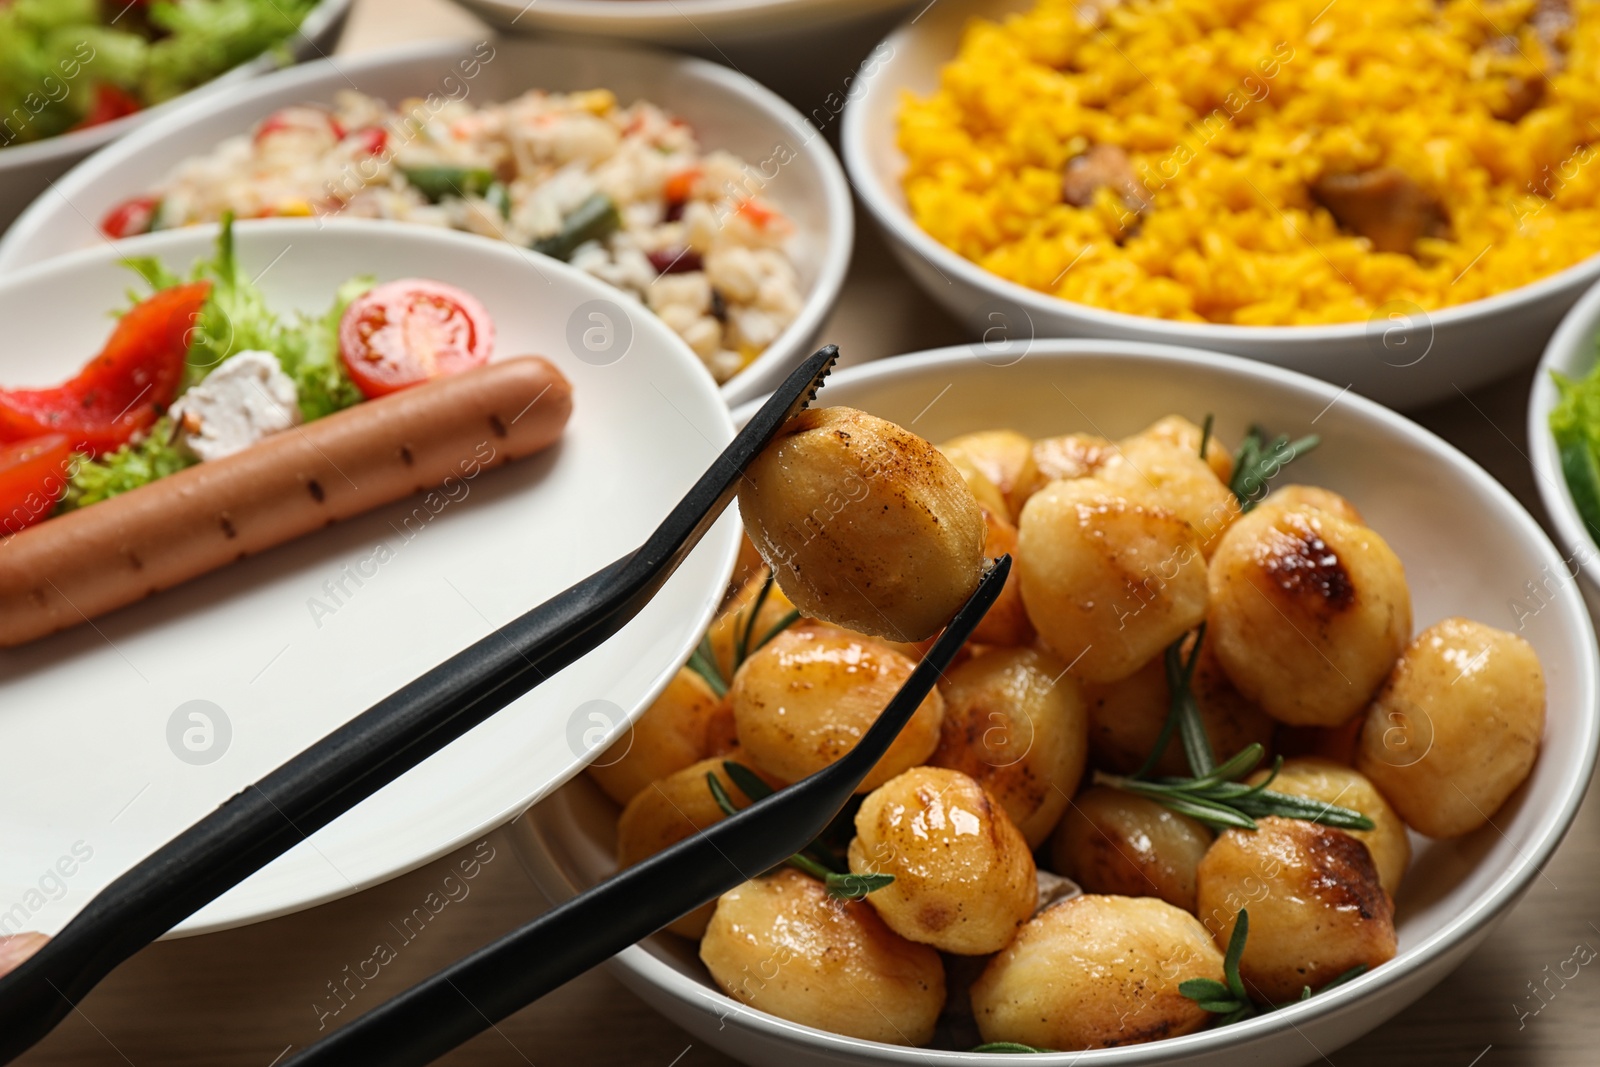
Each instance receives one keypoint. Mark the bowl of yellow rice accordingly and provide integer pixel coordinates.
(1395, 197)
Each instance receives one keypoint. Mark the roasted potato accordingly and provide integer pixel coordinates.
(866, 524)
(964, 879)
(1015, 723)
(673, 732)
(1299, 497)
(810, 694)
(986, 493)
(1179, 432)
(1126, 716)
(1073, 455)
(1308, 613)
(665, 812)
(728, 628)
(1005, 457)
(1115, 842)
(1097, 972)
(1456, 728)
(1335, 783)
(1177, 479)
(1006, 622)
(1108, 582)
(1316, 906)
(782, 945)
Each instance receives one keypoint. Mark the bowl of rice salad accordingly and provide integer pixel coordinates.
(1396, 197)
(77, 74)
(683, 184)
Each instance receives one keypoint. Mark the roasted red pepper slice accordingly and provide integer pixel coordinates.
(124, 388)
(131, 217)
(33, 475)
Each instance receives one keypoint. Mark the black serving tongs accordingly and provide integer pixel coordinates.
(473, 994)
(309, 791)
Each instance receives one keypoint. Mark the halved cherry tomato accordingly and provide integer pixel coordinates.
(372, 140)
(680, 185)
(123, 389)
(110, 103)
(406, 332)
(131, 217)
(33, 475)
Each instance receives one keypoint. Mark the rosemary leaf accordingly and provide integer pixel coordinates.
(741, 644)
(748, 781)
(1258, 460)
(777, 628)
(1230, 961)
(1205, 433)
(855, 886)
(704, 663)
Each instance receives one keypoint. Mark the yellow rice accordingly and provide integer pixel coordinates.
(1228, 109)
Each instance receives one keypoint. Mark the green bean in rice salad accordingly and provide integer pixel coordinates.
(625, 193)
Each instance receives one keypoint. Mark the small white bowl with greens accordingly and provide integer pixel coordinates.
(77, 74)
(1564, 438)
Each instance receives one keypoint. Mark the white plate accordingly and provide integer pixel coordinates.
(1468, 547)
(26, 170)
(727, 110)
(84, 715)
(1402, 356)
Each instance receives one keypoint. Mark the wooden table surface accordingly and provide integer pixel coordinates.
(245, 997)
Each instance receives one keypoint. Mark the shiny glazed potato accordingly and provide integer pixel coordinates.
(1308, 613)
(964, 879)
(1456, 728)
(1179, 432)
(1005, 457)
(1016, 724)
(728, 627)
(1334, 783)
(1073, 455)
(782, 945)
(664, 813)
(806, 698)
(867, 525)
(1006, 622)
(1126, 716)
(1097, 972)
(1115, 842)
(1178, 480)
(986, 493)
(1298, 497)
(1316, 906)
(672, 733)
(1107, 582)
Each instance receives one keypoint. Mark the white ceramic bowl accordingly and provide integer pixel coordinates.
(1445, 517)
(1572, 351)
(688, 23)
(293, 642)
(727, 109)
(27, 170)
(1404, 357)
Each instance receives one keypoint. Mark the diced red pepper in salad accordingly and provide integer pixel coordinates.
(131, 217)
(301, 117)
(123, 389)
(33, 475)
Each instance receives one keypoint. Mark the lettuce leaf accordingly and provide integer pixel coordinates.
(137, 463)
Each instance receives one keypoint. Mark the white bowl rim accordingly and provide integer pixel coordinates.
(82, 142)
(1573, 350)
(897, 220)
(1507, 887)
(835, 241)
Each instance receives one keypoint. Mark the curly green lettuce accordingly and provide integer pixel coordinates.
(1575, 425)
(235, 319)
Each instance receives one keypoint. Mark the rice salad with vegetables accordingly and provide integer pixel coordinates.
(624, 193)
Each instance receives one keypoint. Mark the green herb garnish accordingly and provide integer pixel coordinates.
(1229, 998)
(593, 220)
(815, 859)
(1258, 461)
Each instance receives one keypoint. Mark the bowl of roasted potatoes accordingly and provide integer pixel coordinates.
(1263, 734)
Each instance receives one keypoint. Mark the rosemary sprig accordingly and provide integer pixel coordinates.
(1259, 459)
(1229, 998)
(704, 659)
(841, 885)
(1215, 794)
(1223, 802)
(1205, 433)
